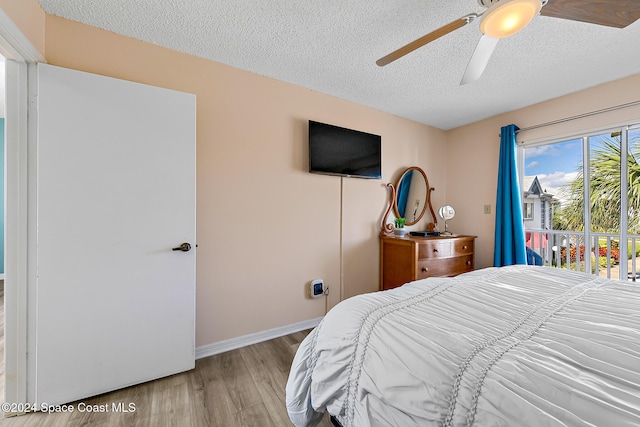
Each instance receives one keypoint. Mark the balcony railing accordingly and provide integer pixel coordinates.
(602, 255)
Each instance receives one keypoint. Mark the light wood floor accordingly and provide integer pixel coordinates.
(243, 388)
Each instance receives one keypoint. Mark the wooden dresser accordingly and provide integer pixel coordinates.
(404, 259)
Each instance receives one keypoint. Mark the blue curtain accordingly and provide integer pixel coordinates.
(510, 245)
(403, 193)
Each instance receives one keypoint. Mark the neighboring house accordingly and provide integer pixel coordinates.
(539, 204)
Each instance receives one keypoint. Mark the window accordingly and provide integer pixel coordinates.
(528, 210)
(592, 190)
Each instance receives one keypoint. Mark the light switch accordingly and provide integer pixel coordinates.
(487, 209)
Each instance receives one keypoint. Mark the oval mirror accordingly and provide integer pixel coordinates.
(411, 195)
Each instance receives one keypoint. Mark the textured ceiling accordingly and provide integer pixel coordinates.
(331, 46)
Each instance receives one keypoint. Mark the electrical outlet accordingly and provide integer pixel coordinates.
(318, 289)
(487, 209)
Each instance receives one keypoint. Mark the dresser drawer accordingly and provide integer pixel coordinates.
(462, 247)
(444, 267)
(434, 249)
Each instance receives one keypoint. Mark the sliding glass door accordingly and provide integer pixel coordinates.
(584, 195)
(632, 204)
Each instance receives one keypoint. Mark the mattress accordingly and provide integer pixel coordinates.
(510, 346)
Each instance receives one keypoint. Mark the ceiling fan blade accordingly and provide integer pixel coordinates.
(611, 13)
(442, 31)
(479, 59)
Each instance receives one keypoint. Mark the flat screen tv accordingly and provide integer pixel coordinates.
(334, 150)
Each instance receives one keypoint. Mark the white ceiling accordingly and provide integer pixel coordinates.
(331, 46)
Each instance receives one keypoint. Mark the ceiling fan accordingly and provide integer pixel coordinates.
(504, 18)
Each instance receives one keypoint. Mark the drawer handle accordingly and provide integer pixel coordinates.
(435, 249)
(425, 269)
(464, 247)
(468, 262)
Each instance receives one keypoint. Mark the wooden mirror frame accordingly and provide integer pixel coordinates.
(396, 209)
(387, 228)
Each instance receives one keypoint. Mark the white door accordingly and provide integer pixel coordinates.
(115, 193)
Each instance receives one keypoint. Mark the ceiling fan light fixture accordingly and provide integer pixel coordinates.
(507, 17)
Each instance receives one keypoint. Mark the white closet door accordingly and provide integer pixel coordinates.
(115, 193)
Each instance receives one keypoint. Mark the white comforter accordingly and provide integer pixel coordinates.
(510, 346)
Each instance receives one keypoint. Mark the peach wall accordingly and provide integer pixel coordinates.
(288, 227)
(474, 149)
(29, 18)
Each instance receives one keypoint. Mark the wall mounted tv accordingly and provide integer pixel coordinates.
(334, 150)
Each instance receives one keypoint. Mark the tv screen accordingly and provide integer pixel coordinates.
(334, 150)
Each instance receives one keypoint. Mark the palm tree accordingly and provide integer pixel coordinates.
(604, 189)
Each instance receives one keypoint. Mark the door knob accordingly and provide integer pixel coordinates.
(185, 247)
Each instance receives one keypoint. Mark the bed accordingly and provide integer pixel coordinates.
(510, 346)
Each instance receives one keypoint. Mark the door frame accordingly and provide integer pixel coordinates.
(20, 133)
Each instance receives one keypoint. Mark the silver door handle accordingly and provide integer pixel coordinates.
(185, 247)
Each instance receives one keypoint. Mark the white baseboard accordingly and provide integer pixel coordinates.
(245, 340)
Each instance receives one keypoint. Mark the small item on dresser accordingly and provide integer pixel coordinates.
(446, 213)
(424, 233)
(399, 229)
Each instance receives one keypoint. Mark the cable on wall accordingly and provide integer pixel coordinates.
(341, 238)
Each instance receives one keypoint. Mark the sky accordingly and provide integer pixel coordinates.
(554, 164)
